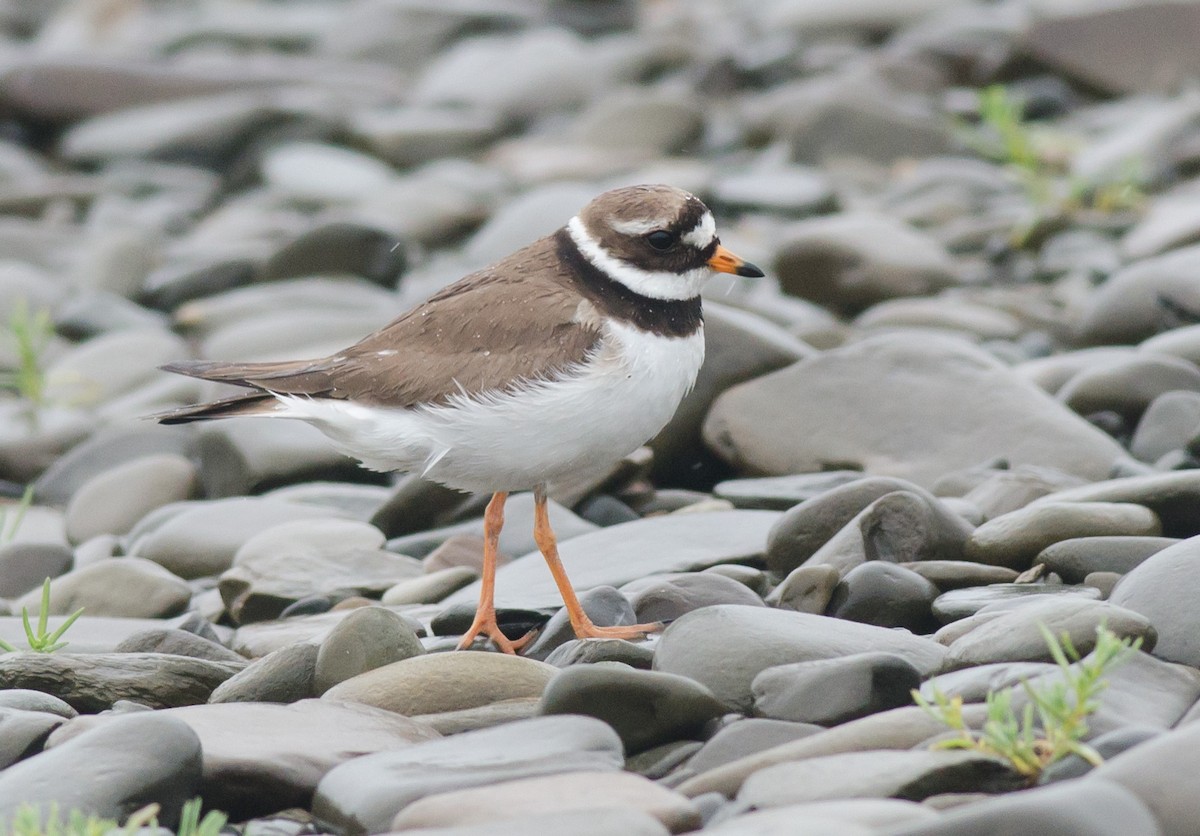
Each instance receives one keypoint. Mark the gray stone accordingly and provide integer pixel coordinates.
(1170, 421)
(111, 502)
(645, 708)
(641, 119)
(851, 261)
(898, 729)
(1075, 559)
(431, 587)
(806, 589)
(958, 574)
(102, 451)
(35, 701)
(24, 566)
(1161, 589)
(848, 817)
(198, 539)
(442, 682)
(1128, 386)
(591, 651)
(622, 553)
(913, 776)
(1015, 539)
(1014, 636)
(1182, 342)
(1150, 773)
(885, 595)
(602, 821)
(368, 638)
(240, 457)
(665, 598)
(966, 602)
(899, 525)
(738, 346)
(605, 606)
(881, 405)
(753, 639)
(93, 682)
(1007, 490)
(1074, 808)
(286, 675)
(550, 794)
(177, 643)
(364, 794)
(111, 364)
(483, 716)
(148, 757)
(1172, 496)
(831, 691)
(746, 736)
(780, 493)
(1137, 301)
(23, 733)
(118, 586)
(291, 561)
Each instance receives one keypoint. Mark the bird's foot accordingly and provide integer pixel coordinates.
(487, 626)
(588, 630)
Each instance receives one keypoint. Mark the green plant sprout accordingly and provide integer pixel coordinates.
(1040, 159)
(8, 529)
(29, 821)
(1053, 723)
(30, 332)
(43, 641)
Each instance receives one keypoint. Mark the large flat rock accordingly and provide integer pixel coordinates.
(619, 554)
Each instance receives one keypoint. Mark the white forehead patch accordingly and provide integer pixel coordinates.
(634, 227)
(703, 233)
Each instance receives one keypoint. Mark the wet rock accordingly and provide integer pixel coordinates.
(885, 595)
(116, 586)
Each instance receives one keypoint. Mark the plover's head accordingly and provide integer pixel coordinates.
(658, 241)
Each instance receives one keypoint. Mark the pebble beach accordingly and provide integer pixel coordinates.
(960, 412)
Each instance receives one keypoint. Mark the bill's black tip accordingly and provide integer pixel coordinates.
(749, 271)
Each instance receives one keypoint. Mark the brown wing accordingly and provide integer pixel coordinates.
(518, 320)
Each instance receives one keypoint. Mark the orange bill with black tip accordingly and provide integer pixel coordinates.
(723, 261)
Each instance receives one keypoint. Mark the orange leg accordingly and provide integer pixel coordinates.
(485, 614)
(543, 534)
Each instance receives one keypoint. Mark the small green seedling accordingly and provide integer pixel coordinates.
(30, 332)
(8, 529)
(43, 641)
(29, 821)
(1053, 723)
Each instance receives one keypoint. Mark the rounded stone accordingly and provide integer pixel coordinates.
(806, 589)
(831, 691)
(115, 586)
(1164, 589)
(886, 595)
(368, 638)
(1075, 559)
(645, 708)
(1016, 538)
(666, 597)
(111, 502)
(443, 682)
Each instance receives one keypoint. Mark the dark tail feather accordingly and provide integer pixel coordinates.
(239, 374)
(257, 404)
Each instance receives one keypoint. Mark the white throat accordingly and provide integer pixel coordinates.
(655, 284)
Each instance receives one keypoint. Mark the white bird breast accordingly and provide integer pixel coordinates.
(576, 424)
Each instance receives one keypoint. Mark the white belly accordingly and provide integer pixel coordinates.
(572, 426)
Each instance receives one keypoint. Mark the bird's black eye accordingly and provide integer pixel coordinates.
(661, 240)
